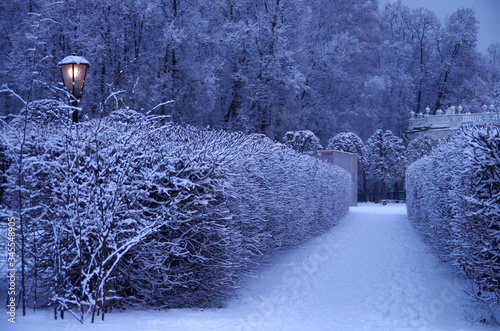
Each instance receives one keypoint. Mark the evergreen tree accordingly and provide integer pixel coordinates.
(384, 160)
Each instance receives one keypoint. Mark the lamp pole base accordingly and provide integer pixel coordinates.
(74, 103)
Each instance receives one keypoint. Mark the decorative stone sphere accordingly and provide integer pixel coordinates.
(439, 112)
(427, 110)
(412, 114)
(459, 109)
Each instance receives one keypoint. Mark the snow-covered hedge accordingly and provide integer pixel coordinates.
(132, 209)
(419, 147)
(453, 199)
(303, 141)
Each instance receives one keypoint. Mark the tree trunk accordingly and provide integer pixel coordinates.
(365, 190)
(384, 190)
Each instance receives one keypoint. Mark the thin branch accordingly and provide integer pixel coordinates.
(159, 105)
(113, 95)
(6, 89)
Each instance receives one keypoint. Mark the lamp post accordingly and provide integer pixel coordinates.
(74, 69)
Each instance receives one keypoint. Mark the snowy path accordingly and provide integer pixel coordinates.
(369, 272)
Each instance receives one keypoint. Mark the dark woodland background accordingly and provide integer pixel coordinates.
(256, 66)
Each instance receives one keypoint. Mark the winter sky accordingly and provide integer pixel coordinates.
(487, 13)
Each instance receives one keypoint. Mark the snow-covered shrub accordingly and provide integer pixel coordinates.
(430, 195)
(132, 209)
(477, 220)
(70, 188)
(453, 199)
(303, 141)
(29, 149)
(196, 256)
(46, 111)
(296, 191)
(419, 147)
(243, 197)
(346, 142)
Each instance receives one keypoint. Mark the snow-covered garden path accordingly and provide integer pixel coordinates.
(369, 272)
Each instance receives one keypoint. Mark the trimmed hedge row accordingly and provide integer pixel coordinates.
(453, 199)
(130, 209)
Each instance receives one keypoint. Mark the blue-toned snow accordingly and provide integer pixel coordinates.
(370, 272)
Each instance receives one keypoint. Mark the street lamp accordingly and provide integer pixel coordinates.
(74, 69)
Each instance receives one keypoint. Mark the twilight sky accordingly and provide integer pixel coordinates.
(487, 13)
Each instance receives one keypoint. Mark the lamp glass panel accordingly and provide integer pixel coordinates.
(80, 72)
(74, 78)
(67, 73)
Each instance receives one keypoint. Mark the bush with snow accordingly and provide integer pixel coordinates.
(420, 147)
(453, 199)
(304, 142)
(130, 209)
(346, 142)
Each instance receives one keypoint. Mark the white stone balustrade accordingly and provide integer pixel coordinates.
(452, 118)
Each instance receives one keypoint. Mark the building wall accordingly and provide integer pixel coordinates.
(348, 162)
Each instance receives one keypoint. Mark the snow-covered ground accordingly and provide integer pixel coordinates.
(370, 272)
